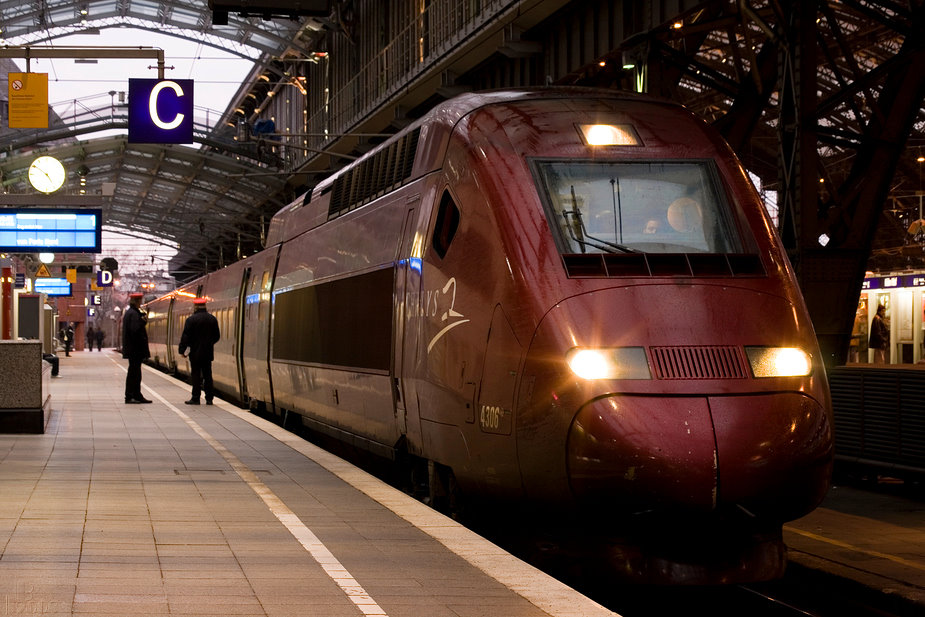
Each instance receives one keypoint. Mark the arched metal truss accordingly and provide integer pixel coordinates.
(823, 99)
(209, 199)
(39, 21)
(804, 90)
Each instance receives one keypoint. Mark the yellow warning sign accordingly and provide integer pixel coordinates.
(43, 272)
(28, 96)
(71, 275)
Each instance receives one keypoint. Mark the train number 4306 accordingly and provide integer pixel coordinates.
(494, 419)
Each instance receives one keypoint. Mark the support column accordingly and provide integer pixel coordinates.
(6, 288)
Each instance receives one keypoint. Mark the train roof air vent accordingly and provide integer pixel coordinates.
(384, 171)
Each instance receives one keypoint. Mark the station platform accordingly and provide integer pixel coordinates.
(168, 508)
(875, 539)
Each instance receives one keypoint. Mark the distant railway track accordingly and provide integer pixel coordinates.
(801, 593)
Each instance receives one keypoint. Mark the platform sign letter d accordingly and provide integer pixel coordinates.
(104, 278)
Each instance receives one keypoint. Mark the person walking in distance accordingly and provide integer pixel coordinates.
(134, 347)
(91, 336)
(879, 336)
(200, 333)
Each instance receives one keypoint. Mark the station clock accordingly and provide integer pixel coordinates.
(47, 174)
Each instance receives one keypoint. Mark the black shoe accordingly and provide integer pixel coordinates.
(132, 401)
(208, 401)
(192, 401)
(142, 399)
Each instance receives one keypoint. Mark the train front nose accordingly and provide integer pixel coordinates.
(685, 412)
(644, 451)
(767, 454)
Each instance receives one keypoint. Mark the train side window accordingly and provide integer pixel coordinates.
(446, 225)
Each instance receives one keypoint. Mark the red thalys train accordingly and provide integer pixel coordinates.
(559, 297)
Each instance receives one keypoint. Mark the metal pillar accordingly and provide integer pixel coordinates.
(831, 276)
(797, 132)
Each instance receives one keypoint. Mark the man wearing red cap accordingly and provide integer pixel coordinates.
(134, 347)
(200, 333)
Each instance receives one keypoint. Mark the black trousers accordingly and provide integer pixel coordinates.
(133, 379)
(201, 378)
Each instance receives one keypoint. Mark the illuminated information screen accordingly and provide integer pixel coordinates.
(32, 230)
(53, 286)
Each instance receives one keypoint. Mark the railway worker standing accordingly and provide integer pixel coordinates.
(200, 334)
(134, 347)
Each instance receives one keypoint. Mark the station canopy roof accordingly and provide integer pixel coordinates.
(218, 192)
(213, 191)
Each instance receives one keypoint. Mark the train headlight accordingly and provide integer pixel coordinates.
(609, 363)
(779, 361)
(608, 134)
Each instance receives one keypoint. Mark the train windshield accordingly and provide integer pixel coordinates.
(650, 207)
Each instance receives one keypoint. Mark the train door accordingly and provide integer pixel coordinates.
(407, 293)
(239, 336)
(168, 338)
(495, 410)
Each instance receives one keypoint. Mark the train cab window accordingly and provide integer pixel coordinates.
(636, 207)
(446, 225)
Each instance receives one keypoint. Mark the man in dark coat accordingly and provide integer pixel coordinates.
(68, 339)
(200, 333)
(134, 347)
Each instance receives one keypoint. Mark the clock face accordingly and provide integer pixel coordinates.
(46, 174)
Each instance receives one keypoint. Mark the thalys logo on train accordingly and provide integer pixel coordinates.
(160, 111)
(442, 302)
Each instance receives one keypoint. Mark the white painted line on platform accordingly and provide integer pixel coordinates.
(309, 541)
(543, 591)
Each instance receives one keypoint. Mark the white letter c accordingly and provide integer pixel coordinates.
(152, 105)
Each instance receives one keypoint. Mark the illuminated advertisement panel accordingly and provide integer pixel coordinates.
(54, 231)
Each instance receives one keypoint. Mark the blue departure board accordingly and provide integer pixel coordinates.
(47, 230)
(53, 286)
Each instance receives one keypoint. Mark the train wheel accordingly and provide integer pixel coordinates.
(444, 490)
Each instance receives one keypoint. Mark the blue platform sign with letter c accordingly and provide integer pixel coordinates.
(160, 111)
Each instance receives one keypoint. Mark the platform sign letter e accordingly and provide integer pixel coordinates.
(160, 111)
